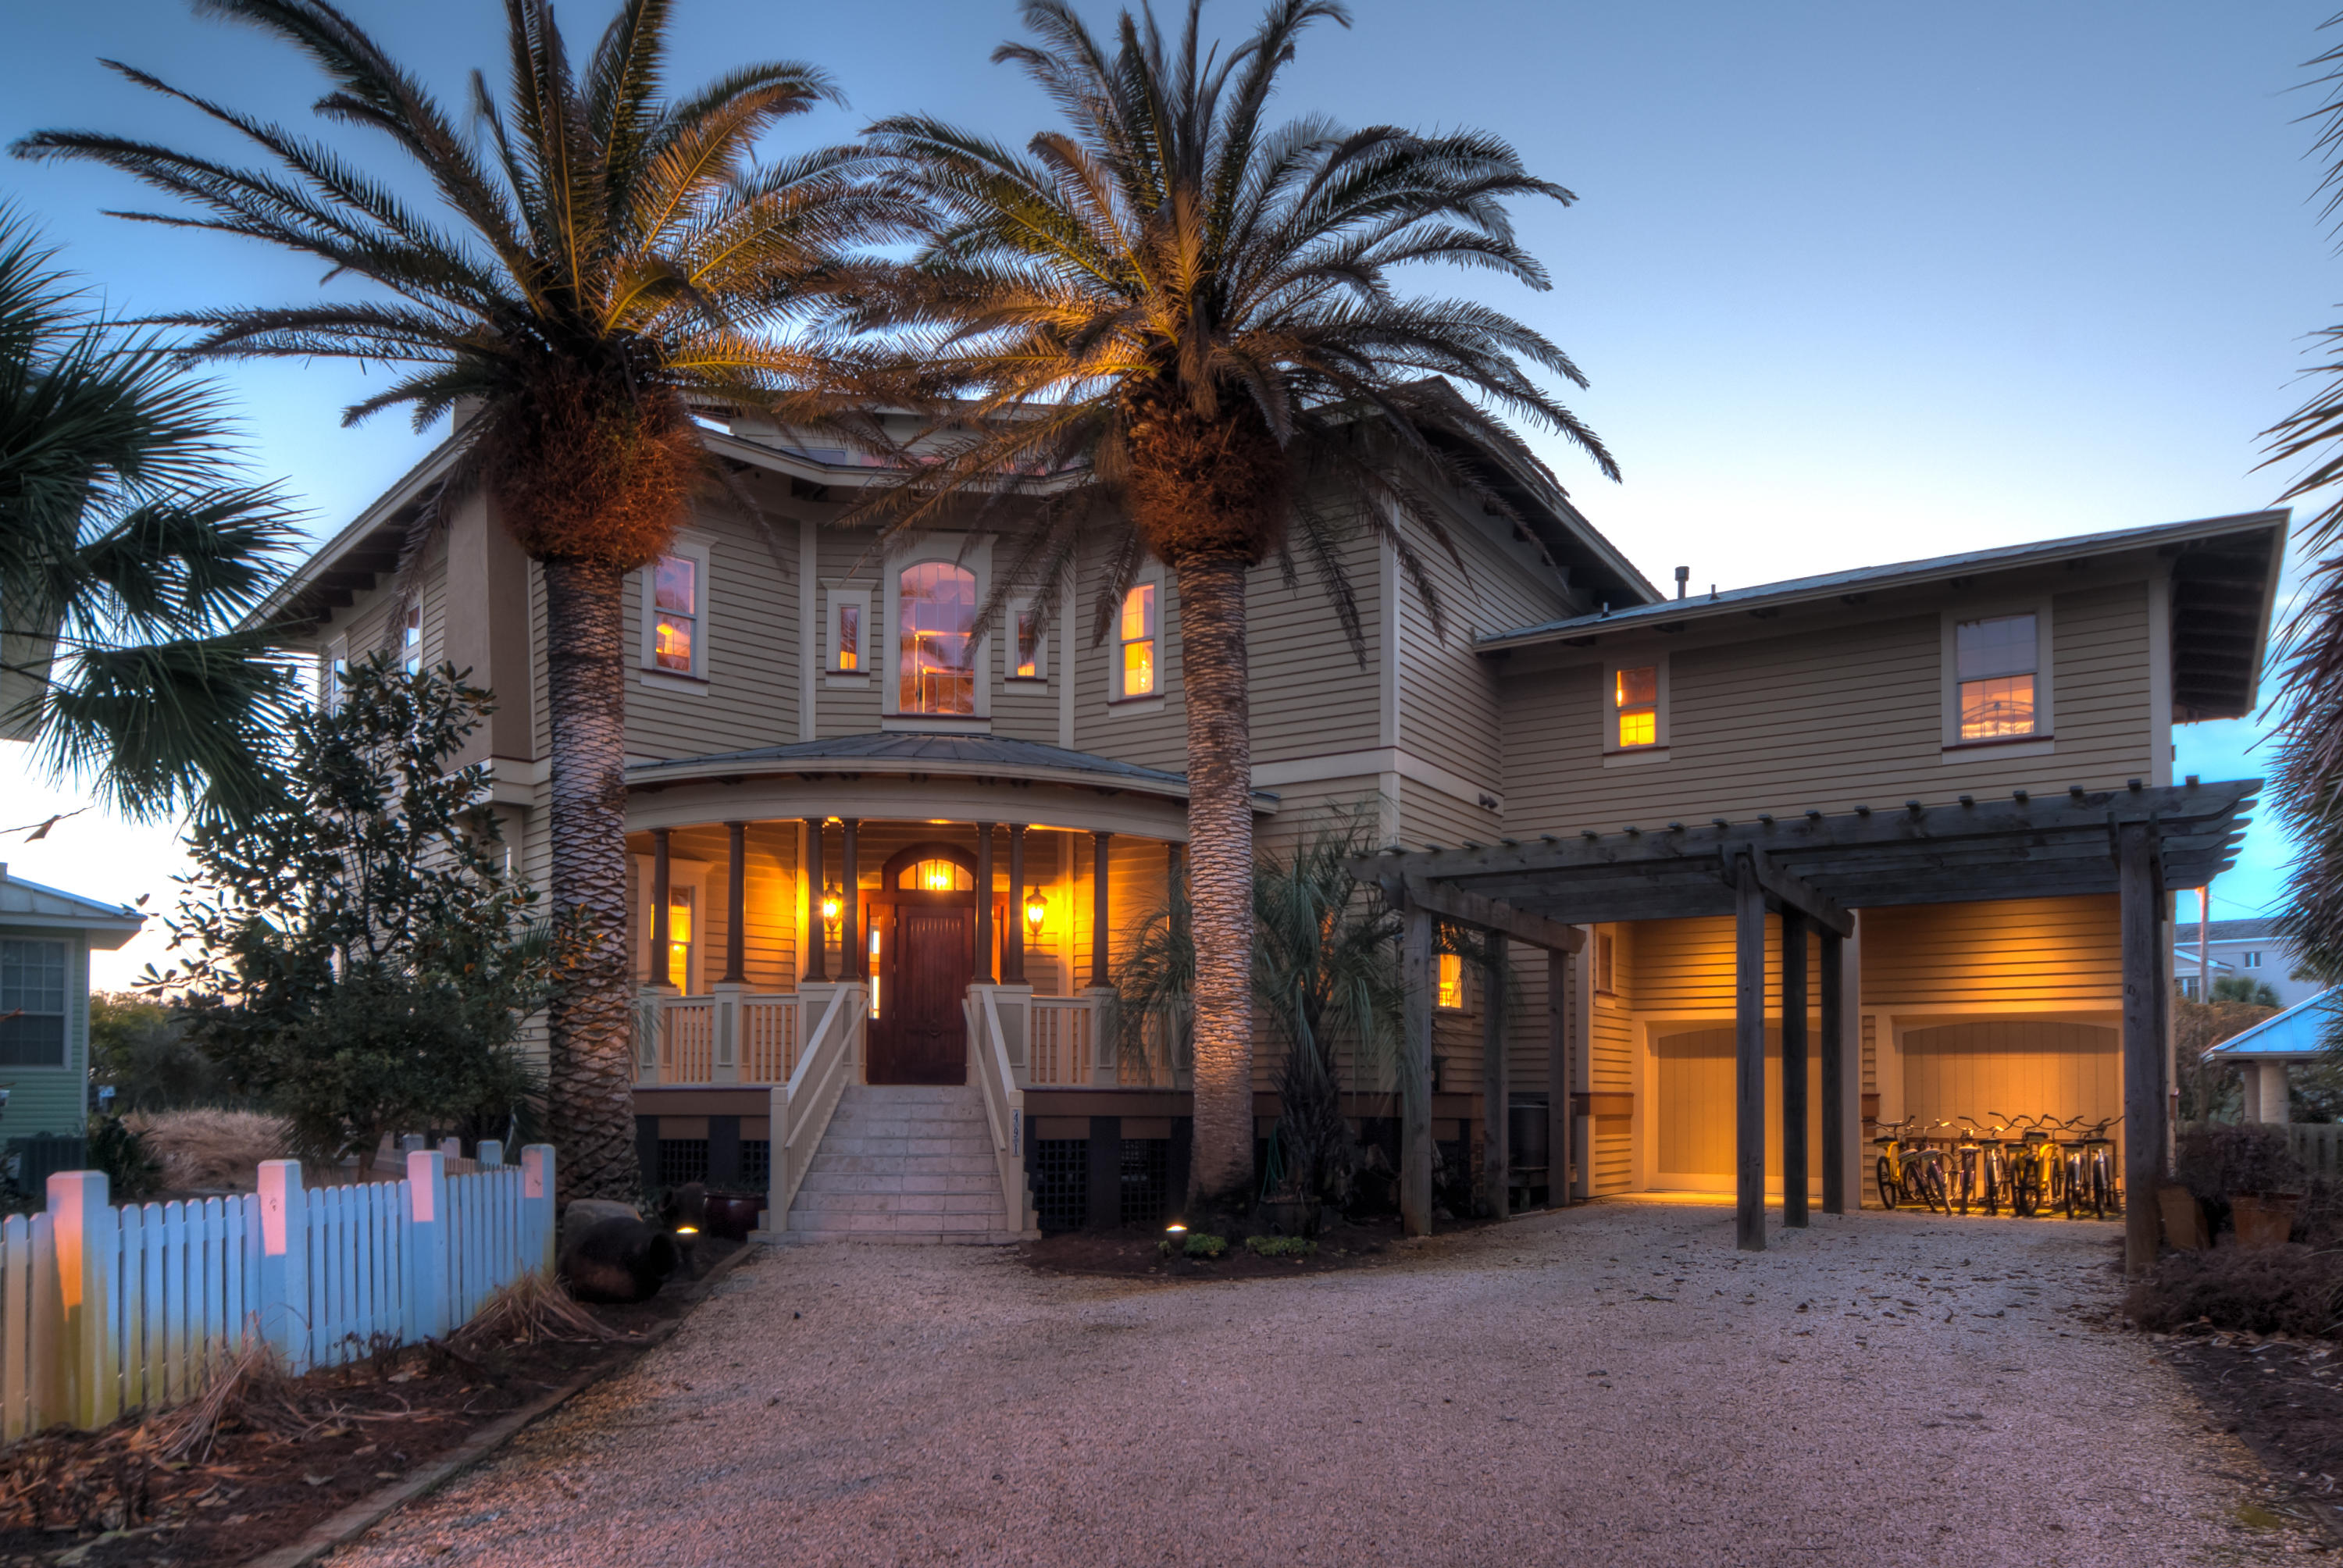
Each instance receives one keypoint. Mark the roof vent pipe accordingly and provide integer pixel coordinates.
(1684, 574)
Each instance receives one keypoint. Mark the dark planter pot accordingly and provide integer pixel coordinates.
(732, 1217)
(2263, 1222)
(2184, 1218)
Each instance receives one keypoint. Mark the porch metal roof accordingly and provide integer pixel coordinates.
(2300, 1030)
(919, 751)
(2021, 847)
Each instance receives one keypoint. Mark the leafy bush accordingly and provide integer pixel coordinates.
(2289, 1289)
(1203, 1246)
(2226, 1159)
(132, 1170)
(1281, 1246)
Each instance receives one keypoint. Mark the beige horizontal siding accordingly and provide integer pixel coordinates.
(2050, 953)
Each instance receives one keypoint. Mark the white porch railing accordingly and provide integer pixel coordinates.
(107, 1310)
(803, 1105)
(726, 1036)
(989, 1070)
(1063, 1032)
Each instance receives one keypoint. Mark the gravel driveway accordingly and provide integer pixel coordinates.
(1611, 1385)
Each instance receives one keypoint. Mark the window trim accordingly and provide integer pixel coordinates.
(696, 550)
(1149, 576)
(839, 597)
(1040, 675)
(977, 561)
(2038, 740)
(75, 972)
(1608, 697)
(1604, 961)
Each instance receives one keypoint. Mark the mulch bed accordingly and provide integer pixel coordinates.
(1137, 1253)
(102, 1499)
(2282, 1397)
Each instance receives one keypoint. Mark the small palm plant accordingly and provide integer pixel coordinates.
(607, 255)
(1172, 305)
(129, 550)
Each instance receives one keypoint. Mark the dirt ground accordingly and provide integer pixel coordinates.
(117, 1497)
(2282, 1398)
(1613, 1384)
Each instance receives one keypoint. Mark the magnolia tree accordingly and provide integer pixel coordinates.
(359, 954)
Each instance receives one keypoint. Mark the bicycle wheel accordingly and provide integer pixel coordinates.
(1992, 1184)
(2024, 1191)
(1889, 1191)
(1967, 1183)
(2103, 1188)
(1932, 1188)
(2071, 1184)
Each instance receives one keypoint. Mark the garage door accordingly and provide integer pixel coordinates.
(1695, 1110)
(2013, 1067)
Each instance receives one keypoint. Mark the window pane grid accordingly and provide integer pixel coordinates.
(1993, 709)
(1138, 637)
(33, 989)
(1635, 698)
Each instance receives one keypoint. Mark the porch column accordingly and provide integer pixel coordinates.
(815, 968)
(736, 906)
(1834, 984)
(1496, 1118)
(661, 930)
(983, 970)
(1100, 910)
(2142, 1045)
(1558, 1002)
(1793, 1066)
(1415, 1073)
(1012, 949)
(1749, 1056)
(854, 956)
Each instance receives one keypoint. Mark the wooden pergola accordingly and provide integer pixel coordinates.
(2140, 843)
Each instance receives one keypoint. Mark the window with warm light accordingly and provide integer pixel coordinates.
(935, 876)
(679, 937)
(1135, 640)
(935, 620)
(675, 602)
(850, 636)
(874, 969)
(1635, 700)
(1027, 621)
(1452, 981)
(410, 640)
(1996, 660)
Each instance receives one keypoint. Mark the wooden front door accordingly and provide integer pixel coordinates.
(922, 1035)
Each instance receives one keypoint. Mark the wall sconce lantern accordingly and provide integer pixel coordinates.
(1036, 909)
(833, 906)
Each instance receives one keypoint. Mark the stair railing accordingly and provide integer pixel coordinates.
(1004, 1104)
(802, 1107)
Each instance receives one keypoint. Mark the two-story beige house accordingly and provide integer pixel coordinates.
(886, 853)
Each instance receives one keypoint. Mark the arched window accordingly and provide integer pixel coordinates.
(936, 619)
(935, 876)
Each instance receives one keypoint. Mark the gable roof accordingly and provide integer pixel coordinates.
(2300, 1030)
(2259, 929)
(2225, 573)
(24, 904)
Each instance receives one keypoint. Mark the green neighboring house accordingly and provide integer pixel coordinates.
(45, 938)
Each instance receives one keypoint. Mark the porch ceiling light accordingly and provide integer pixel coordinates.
(833, 906)
(1036, 909)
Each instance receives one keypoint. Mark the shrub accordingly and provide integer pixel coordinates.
(1203, 1246)
(2226, 1159)
(211, 1148)
(1281, 1246)
(2289, 1289)
(132, 1170)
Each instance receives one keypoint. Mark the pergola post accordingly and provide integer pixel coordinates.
(853, 960)
(1415, 1073)
(1496, 1128)
(1794, 1067)
(1832, 980)
(2143, 1043)
(983, 970)
(1748, 1056)
(815, 968)
(1558, 1006)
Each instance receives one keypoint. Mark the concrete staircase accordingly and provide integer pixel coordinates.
(902, 1164)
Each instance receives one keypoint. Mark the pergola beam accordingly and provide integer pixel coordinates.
(1492, 915)
(1795, 894)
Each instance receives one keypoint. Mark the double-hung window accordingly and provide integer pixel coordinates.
(1996, 662)
(410, 640)
(32, 1003)
(1635, 706)
(1452, 982)
(1030, 658)
(675, 617)
(1135, 640)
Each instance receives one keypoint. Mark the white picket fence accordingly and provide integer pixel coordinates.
(105, 1309)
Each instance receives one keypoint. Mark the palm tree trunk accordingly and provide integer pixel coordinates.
(1219, 869)
(590, 1086)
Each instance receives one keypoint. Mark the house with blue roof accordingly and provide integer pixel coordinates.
(2265, 1053)
(46, 935)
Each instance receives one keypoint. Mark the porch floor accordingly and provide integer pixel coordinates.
(1608, 1383)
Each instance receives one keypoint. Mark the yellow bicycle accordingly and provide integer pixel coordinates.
(1910, 1171)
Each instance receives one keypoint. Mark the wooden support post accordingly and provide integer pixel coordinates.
(1012, 945)
(1415, 1073)
(1749, 1058)
(427, 1257)
(983, 971)
(1101, 909)
(853, 951)
(1497, 1115)
(1835, 1062)
(284, 1304)
(537, 1190)
(815, 968)
(88, 1252)
(1558, 966)
(662, 933)
(1794, 1067)
(2142, 1045)
(735, 905)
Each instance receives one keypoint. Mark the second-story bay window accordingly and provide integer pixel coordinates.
(1996, 662)
(935, 620)
(1136, 637)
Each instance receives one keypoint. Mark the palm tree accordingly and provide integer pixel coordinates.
(128, 553)
(1171, 305)
(607, 253)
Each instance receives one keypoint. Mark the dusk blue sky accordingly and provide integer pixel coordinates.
(1853, 282)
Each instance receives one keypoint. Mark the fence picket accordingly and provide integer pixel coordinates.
(15, 1327)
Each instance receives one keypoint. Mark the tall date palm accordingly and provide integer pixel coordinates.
(603, 252)
(1168, 303)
